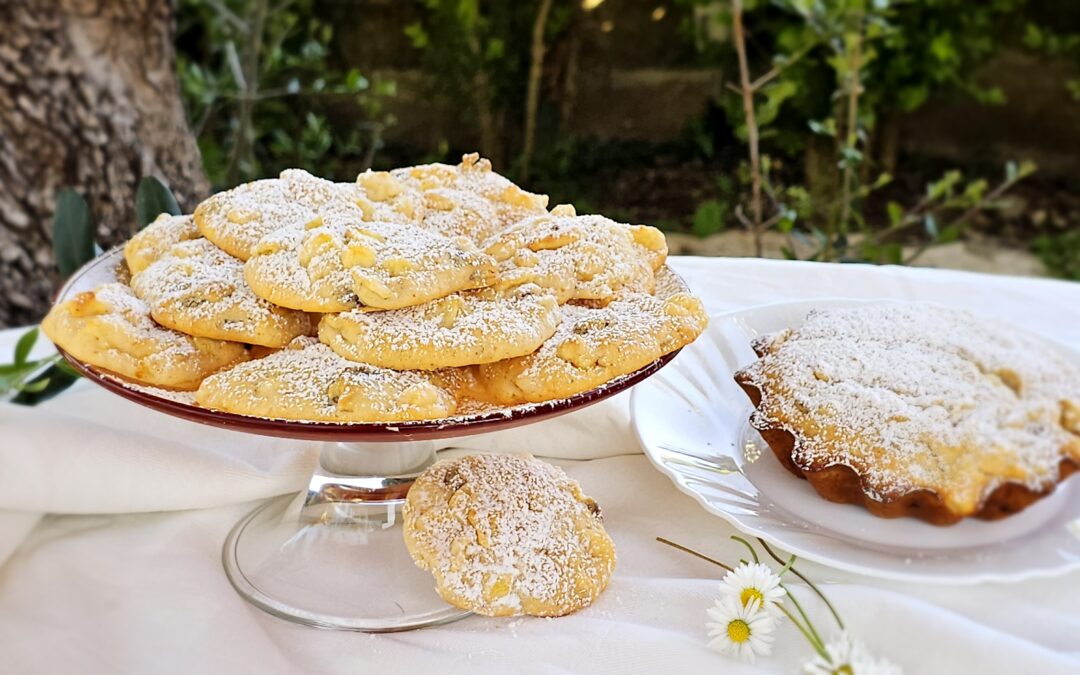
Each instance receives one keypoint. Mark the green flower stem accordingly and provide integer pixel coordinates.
(694, 553)
(814, 641)
(748, 546)
(802, 613)
(809, 583)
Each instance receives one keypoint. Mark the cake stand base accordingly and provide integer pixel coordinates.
(333, 556)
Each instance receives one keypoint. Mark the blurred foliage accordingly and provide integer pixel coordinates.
(478, 56)
(1060, 252)
(1064, 45)
(257, 79)
(866, 61)
(921, 49)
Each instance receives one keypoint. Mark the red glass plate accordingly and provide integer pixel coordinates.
(110, 266)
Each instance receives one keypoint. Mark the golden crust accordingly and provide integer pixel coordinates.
(198, 289)
(937, 428)
(307, 381)
(110, 328)
(464, 328)
(155, 240)
(594, 345)
(445, 186)
(586, 258)
(507, 535)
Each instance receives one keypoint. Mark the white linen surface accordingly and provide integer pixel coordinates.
(130, 581)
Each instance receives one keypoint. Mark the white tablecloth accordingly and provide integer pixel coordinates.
(133, 585)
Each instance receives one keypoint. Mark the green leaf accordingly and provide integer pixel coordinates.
(73, 232)
(931, 226)
(896, 213)
(892, 254)
(63, 366)
(709, 218)
(24, 345)
(35, 387)
(56, 381)
(152, 199)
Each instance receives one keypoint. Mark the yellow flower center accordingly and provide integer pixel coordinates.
(738, 631)
(844, 670)
(749, 594)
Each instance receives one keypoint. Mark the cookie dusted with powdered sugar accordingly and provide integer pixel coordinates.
(110, 328)
(237, 219)
(155, 240)
(336, 262)
(585, 258)
(460, 329)
(308, 381)
(198, 289)
(470, 198)
(508, 535)
(594, 345)
(917, 410)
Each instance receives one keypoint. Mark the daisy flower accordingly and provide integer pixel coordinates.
(753, 581)
(742, 631)
(849, 657)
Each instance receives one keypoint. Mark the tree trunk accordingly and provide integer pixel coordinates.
(89, 99)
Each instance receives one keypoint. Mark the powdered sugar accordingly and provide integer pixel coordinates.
(917, 396)
(308, 381)
(460, 329)
(508, 534)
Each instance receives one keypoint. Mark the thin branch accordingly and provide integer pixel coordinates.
(779, 68)
(993, 196)
(532, 95)
(228, 15)
(751, 125)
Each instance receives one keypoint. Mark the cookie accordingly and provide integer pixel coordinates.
(588, 258)
(474, 175)
(198, 289)
(154, 240)
(308, 381)
(452, 212)
(110, 328)
(592, 346)
(459, 329)
(337, 262)
(508, 535)
(237, 219)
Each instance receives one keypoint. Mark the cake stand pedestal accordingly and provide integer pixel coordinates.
(333, 556)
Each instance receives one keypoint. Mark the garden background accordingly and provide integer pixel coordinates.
(936, 132)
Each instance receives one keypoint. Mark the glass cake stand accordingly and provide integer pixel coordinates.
(333, 555)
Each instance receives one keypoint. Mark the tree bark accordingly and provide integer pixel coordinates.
(89, 99)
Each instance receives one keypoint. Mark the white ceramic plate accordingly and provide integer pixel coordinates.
(692, 420)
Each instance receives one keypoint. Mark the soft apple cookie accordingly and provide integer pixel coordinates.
(198, 289)
(592, 346)
(474, 175)
(155, 240)
(508, 535)
(452, 213)
(463, 328)
(237, 219)
(337, 262)
(585, 258)
(308, 381)
(110, 328)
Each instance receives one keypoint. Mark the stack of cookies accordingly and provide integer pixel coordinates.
(419, 293)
